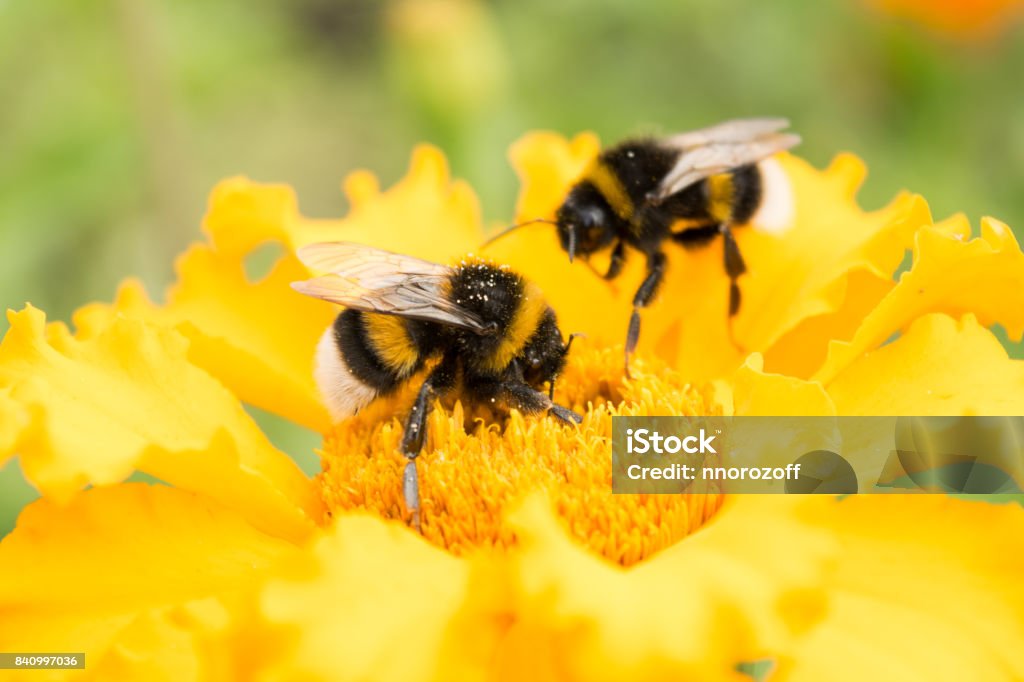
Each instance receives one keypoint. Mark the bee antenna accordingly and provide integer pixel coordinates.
(512, 228)
(572, 337)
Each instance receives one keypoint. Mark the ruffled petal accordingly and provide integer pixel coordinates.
(242, 215)
(257, 338)
(804, 272)
(756, 392)
(742, 587)
(406, 218)
(940, 366)
(370, 600)
(129, 399)
(426, 214)
(801, 351)
(117, 573)
(983, 276)
(925, 588)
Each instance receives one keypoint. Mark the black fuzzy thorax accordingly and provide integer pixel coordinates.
(640, 165)
(493, 294)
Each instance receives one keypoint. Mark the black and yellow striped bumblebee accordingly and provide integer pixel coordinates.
(688, 188)
(489, 329)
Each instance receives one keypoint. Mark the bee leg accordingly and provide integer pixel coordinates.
(530, 401)
(412, 443)
(416, 423)
(617, 260)
(734, 267)
(439, 380)
(411, 491)
(648, 288)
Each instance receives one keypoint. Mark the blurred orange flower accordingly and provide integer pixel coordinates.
(961, 18)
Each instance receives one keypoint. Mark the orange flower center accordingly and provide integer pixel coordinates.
(472, 469)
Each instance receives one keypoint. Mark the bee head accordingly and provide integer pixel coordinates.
(543, 357)
(583, 227)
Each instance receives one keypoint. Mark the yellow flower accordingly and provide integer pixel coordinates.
(243, 568)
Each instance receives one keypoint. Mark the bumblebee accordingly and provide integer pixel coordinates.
(488, 329)
(687, 188)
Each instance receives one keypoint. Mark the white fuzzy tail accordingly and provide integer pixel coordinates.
(778, 208)
(342, 392)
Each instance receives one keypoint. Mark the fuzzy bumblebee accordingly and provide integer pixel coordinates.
(489, 329)
(687, 188)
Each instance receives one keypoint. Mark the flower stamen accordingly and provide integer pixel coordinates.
(474, 467)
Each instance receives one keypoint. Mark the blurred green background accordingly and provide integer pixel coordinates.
(119, 116)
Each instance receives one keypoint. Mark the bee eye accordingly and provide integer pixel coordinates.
(592, 218)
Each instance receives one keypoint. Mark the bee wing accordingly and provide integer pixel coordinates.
(721, 148)
(736, 130)
(357, 260)
(378, 281)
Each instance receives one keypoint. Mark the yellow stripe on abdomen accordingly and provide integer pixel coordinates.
(721, 194)
(391, 343)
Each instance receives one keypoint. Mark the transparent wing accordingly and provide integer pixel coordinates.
(378, 281)
(365, 263)
(721, 148)
(736, 130)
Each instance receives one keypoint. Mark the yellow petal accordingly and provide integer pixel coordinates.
(801, 351)
(161, 645)
(807, 272)
(13, 420)
(740, 588)
(425, 214)
(243, 214)
(547, 164)
(407, 218)
(756, 392)
(371, 600)
(129, 399)
(940, 366)
(925, 588)
(257, 338)
(984, 276)
(88, 576)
